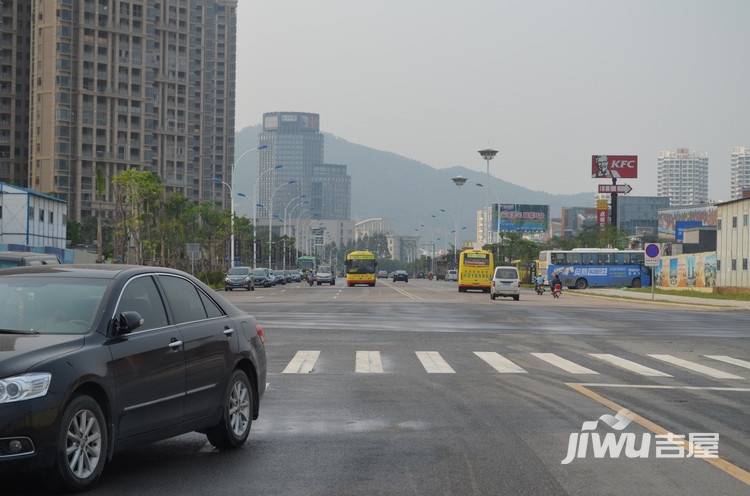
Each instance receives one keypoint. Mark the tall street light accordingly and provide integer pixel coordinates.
(255, 209)
(459, 181)
(270, 219)
(488, 154)
(231, 220)
(284, 228)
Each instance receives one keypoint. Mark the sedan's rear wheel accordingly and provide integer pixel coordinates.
(82, 445)
(236, 418)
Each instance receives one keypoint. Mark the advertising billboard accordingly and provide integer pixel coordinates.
(520, 218)
(673, 221)
(617, 166)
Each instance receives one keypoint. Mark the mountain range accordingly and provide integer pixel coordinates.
(406, 191)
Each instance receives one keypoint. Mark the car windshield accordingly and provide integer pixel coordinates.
(50, 305)
(260, 272)
(506, 274)
(324, 269)
(239, 271)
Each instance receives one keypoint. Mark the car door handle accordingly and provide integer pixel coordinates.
(174, 345)
(228, 332)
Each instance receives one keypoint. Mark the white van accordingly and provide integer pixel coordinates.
(451, 275)
(505, 282)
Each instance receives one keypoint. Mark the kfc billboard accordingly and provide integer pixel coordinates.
(617, 166)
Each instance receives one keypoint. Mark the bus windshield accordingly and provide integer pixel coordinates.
(360, 266)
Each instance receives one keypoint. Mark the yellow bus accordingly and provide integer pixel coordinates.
(360, 268)
(475, 269)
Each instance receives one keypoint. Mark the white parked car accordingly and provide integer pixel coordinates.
(451, 275)
(505, 282)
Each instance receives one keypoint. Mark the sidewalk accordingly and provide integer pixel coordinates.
(662, 298)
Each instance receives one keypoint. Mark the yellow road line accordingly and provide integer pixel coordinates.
(729, 468)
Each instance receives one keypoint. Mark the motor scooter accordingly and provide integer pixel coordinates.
(557, 291)
(540, 289)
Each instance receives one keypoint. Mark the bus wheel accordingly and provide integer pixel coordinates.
(582, 283)
(636, 283)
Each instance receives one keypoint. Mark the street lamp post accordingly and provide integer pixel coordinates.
(270, 219)
(488, 154)
(255, 209)
(284, 228)
(459, 181)
(231, 220)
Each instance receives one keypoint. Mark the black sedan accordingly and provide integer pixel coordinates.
(400, 275)
(239, 277)
(94, 359)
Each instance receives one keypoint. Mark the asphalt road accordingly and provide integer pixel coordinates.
(417, 389)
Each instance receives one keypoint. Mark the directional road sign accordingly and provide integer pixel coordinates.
(615, 188)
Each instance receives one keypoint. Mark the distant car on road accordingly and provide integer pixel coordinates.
(239, 278)
(451, 275)
(101, 358)
(325, 275)
(262, 278)
(505, 282)
(278, 276)
(296, 276)
(420, 275)
(400, 275)
(11, 259)
(382, 274)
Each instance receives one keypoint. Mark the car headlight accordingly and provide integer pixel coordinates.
(24, 387)
(226, 279)
(247, 279)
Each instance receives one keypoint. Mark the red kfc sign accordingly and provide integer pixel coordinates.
(625, 166)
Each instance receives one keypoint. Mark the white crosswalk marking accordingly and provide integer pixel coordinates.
(368, 362)
(628, 365)
(499, 362)
(696, 367)
(564, 364)
(728, 359)
(302, 363)
(433, 363)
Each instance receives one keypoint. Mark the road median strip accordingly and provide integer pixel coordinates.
(650, 302)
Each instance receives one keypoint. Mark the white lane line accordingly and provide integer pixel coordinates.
(696, 367)
(499, 362)
(661, 386)
(259, 297)
(628, 365)
(433, 363)
(368, 362)
(562, 363)
(302, 363)
(728, 359)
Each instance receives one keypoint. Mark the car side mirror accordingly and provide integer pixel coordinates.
(128, 322)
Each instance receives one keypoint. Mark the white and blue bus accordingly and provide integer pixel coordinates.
(581, 268)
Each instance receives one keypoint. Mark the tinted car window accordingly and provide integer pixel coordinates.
(211, 308)
(141, 296)
(183, 299)
(7, 264)
(50, 305)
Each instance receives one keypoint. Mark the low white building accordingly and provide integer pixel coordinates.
(31, 219)
(733, 244)
(316, 233)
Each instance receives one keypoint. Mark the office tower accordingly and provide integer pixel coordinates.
(139, 84)
(292, 168)
(683, 177)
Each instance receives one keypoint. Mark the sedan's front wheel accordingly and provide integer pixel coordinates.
(237, 416)
(82, 445)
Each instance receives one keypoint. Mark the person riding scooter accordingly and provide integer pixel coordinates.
(539, 284)
(556, 285)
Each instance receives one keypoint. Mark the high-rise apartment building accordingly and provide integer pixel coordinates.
(291, 165)
(119, 84)
(683, 177)
(15, 30)
(740, 170)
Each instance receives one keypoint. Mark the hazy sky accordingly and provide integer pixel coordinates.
(548, 83)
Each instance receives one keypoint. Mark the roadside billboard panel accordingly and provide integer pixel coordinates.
(617, 166)
(673, 221)
(520, 218)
